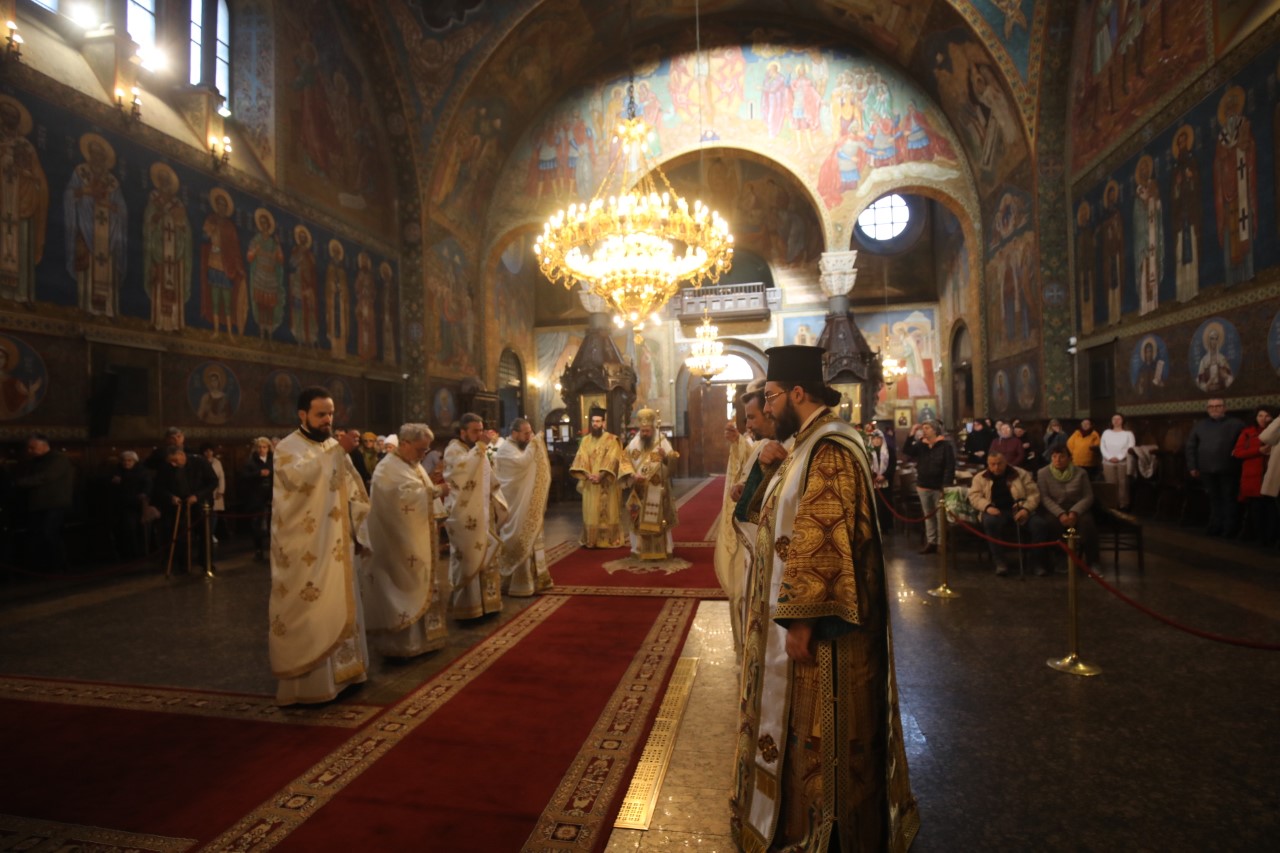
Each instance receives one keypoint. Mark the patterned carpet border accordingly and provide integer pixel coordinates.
(579, 813)
(20, 833)
(641, 591)
(268, 825)
(177, 701)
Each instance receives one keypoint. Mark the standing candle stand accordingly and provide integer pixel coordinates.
(1071, 663)
(944, 554)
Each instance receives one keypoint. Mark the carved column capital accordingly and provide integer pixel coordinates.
(838, 272)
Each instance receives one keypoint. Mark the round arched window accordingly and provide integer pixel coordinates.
(885, 219)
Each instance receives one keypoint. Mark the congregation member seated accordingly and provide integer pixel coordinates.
(1066, 500)
(1008, 445)
(1007, 498)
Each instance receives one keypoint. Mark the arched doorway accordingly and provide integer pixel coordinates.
(709, 406)
(961, 374)
(510, 388)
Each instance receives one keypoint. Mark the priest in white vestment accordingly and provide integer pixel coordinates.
(524, 473)
(476, 511)
(405, 584)
(651, 510)
(316, 636)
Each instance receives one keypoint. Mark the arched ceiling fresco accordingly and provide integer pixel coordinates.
(479, 74)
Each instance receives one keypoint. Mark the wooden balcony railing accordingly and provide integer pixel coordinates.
(728, 302)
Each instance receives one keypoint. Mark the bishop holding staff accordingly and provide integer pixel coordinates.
(316, 637)
(405, 584)
(524, 472)
(476, 511)
(603, 471)
(650, 509)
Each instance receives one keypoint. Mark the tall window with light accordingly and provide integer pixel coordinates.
(197, 40)
(140, 20)
(222, 65)
(220, 45)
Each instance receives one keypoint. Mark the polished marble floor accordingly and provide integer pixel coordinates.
(1171, 748)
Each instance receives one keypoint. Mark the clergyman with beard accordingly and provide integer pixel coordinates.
(651, 510)
(818, 638)
(477, 511)
(602, 471)
(524, 473)
(316, 636)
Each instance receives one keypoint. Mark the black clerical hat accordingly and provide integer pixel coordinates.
(795, 365)
(597, 411)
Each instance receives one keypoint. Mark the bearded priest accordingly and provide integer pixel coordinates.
(405, 584)
(524, 472)
(476, 511)
(603, 471)
(820, 760)
(316, 637)
(651, 510)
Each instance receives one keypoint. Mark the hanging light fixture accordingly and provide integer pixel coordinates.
(638, 247)
(891, 369)
(707, 360)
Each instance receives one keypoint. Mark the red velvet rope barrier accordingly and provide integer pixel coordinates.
(1160, 617)
(902, 517)
(1195, 632)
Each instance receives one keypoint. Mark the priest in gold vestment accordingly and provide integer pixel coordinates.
(820, 759)
(405, 584)
(603, 471)
(316, 635)
(651, 510)
(476, 511)
(524, 472)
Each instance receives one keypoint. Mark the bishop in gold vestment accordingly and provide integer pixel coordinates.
(316, 637)
(820, 756)
(651, 511)
(603, 470)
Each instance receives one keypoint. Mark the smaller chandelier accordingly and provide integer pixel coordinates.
(890, 367)
(637, 248)
(707, 360)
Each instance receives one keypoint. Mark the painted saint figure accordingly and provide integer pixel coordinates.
(222, 278)
(1086, 265)
(1214, 372)
(24, 203)
(1187, 215)
(96, 217)
(266, 274)
(1235, 190)
(166, 247)
(304, 309)
(366, 321)
(1112, 251)
(1148, 235)
(390, 312)
(336, 300)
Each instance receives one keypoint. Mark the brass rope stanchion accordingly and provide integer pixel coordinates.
(1072, 664)
(208, 540)
(944, 554)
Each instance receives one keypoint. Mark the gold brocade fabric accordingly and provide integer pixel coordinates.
(651, 511)
(601, 502)
(844, 761)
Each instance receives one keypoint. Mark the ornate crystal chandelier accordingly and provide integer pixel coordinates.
(635, 249)
(707, 360)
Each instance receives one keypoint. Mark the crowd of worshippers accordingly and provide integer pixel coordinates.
(137, 506)
(1029, 490)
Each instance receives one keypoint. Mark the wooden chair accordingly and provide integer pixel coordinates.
(1117, 530)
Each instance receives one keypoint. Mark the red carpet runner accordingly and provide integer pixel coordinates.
(480, 752)
(597, 572)
(76, 757)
